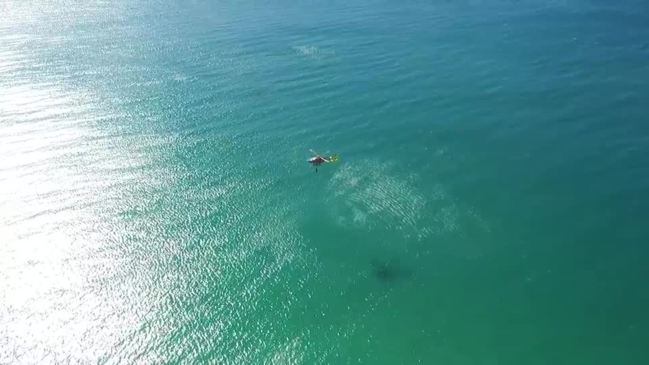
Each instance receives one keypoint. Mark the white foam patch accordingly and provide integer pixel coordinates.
(291, 352)
(368, 194)
(312, 51)
(446, 219)
(307, 50)
(179, 77)
(371, 195)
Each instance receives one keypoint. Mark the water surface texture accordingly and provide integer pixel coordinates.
(490, 206)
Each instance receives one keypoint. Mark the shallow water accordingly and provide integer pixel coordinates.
(489, 208)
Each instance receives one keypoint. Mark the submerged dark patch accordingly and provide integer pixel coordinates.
(388, 271)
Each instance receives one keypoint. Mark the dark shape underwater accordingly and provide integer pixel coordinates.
(389, 271)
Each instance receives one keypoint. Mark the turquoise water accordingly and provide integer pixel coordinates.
(490, 206)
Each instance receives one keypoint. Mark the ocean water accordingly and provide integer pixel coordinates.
(491, 204)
